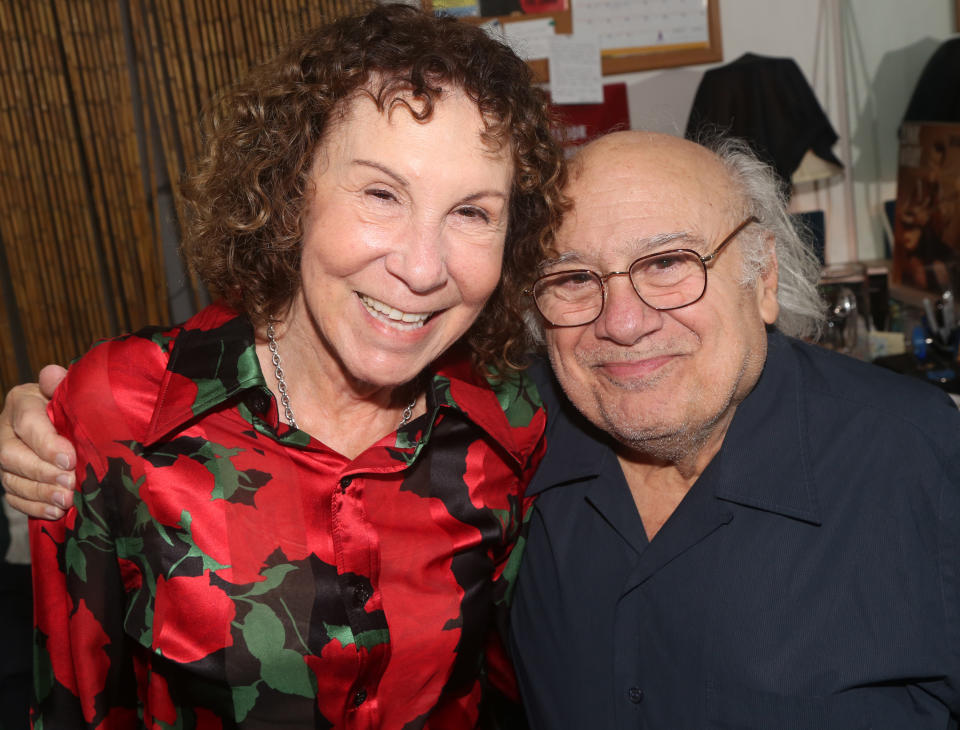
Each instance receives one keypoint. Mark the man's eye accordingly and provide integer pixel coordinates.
(665, 262)
(573, 280)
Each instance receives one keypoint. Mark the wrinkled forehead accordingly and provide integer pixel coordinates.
(393, 94)
(632, 199)
(404, 114)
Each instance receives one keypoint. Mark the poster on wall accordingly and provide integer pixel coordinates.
(487, 8)
(926, 233)
(578, 124)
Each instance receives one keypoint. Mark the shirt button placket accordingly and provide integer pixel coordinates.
(356, 548)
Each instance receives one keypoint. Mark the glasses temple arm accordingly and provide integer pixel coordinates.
(733, 234)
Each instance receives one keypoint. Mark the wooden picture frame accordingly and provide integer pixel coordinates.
(619, 61)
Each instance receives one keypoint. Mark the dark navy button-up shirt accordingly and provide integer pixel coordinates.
(810, 579)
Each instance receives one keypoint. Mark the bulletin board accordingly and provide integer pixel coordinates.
(636, 35)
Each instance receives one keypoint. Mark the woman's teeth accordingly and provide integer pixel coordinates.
(392, 315)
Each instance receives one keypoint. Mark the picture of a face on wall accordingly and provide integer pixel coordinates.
(927, 224)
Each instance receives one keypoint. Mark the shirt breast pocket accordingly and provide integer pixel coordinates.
(740, 708)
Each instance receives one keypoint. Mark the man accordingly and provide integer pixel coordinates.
(744, 531)
(739, 531)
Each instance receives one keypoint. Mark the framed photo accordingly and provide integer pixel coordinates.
(926, 229)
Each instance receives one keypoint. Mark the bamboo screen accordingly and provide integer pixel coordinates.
(99, 102)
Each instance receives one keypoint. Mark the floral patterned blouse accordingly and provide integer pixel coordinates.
(223, 570)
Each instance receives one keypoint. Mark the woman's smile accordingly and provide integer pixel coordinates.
(392, 315)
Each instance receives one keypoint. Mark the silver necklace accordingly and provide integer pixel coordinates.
(278, 374)
(282, 383)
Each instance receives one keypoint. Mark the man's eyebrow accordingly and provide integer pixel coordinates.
(641, 247)
(569, 257)
(679, 239)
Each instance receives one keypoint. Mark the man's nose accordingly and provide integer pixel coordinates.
(626, 318)
(419, 260)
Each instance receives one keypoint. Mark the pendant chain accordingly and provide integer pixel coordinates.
(405, 417)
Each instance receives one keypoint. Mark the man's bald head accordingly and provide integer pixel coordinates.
(721, 173)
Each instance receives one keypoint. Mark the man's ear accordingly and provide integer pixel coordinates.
(767, 303)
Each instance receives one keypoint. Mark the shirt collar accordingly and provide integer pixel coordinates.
(508, 408)
(576, 449)
(213, 359)
(764, 461)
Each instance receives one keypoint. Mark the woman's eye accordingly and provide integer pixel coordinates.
(474, 214)
(381, 194)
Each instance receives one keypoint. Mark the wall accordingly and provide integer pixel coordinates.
(886, 45)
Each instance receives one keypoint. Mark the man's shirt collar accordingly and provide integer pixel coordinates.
(576, 450)
(765, 460)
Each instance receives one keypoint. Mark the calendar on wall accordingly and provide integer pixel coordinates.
(627, 27)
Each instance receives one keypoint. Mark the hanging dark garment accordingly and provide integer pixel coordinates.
(936, 97)
(768, 102)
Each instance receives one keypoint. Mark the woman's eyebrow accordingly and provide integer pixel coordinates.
(492, 193)
(401, 180)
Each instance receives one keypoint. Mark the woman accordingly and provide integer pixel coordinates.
(297, 508)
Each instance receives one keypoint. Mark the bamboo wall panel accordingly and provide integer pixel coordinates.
(99, 109)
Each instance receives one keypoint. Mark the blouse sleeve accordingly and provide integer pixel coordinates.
(83, 675)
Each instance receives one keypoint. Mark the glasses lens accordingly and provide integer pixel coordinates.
(669, 280)
(569, 298)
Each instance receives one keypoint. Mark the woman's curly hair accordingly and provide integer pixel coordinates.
(244, 203)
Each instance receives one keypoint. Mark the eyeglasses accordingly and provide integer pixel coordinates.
(664, 280)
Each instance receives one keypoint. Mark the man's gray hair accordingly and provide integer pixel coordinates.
(802, 310)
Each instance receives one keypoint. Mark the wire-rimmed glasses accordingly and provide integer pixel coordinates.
(664, 280)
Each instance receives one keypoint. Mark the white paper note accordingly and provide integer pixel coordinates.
(530, 39)
(575, 76)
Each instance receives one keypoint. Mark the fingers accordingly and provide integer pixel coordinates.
(50, 378)
(24, 475)
(31, 425)
(36, 465)
(40, 509)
